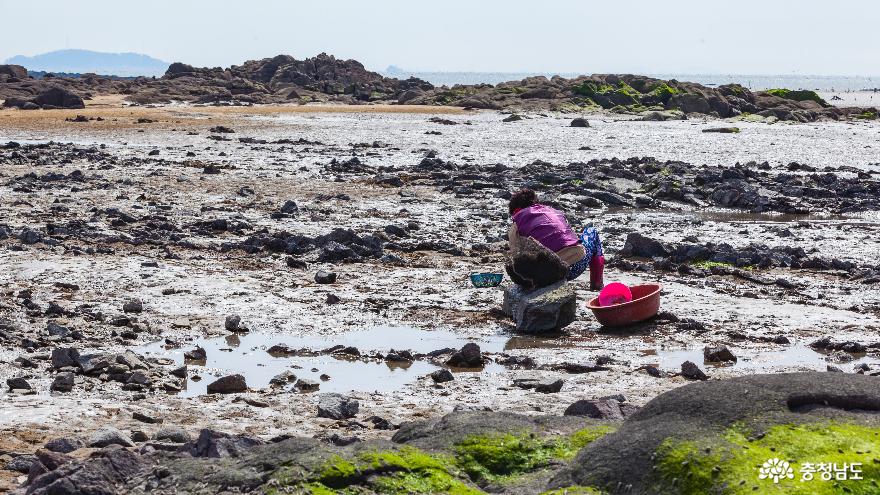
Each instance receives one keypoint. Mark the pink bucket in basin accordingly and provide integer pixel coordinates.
(615, 293)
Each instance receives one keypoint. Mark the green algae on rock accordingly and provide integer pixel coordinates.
(731, 466)
(798, 95)
(403, 471)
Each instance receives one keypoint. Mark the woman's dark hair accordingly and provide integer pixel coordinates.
(522, 199)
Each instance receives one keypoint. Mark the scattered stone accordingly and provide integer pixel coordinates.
(109, 436)
(654, 371)
(145, 418)
(337, 406)
(296, 263)
(380, 423)
(173, 434)
(233, 324)
(21, 464)
(133, 306)
(718, 354)
(305, 385)
(65, 356)
(282, 379)
(18, 384)
(543, 386)
(442, 375)
(64, 445)
(216, 445)
(468, 356)
(63, 382)
(598, 409)
(197, 354)
(692, 371)
(325, 277)
(229, 384)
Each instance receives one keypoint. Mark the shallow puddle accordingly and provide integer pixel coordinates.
(793, 358)
(246, 353)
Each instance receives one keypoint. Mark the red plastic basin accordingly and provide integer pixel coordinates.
(645, 304)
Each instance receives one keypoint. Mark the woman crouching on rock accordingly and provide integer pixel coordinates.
(544, 249)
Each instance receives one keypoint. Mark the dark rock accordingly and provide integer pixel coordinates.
(133, 306)
(599, 409)
(18, 384)
(305, 385)
(296, 263)
(64, 445)
(139, 436)
(145, 418)
(63, 382)
(65, 356)
(337, 406)
(548, 309)
(216, 445)
(580, 122)
(545, 386)
(197, 354)
(380, 423)
(59, 98)
(229, 384)
(442, 375)
(172, 434)
(233, 323)
(468, 356)
(282, 379)
(109, 436)
(52, 460)
(325, 277)
(723, 130)
(21, 464)
(654, 371)
(692, 371)
(179, 372)
(719, 354)
(644, 247)
(105, 469)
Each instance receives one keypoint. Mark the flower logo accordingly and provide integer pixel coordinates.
(776, 469)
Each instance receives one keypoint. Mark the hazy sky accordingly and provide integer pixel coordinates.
(673, 36)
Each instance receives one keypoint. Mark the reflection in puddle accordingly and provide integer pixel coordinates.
(793, 358)
(246, 354)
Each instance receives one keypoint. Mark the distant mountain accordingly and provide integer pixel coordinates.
(83, 61)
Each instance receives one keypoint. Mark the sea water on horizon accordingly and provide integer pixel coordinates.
(754, 82)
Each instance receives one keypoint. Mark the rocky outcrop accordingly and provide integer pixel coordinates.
(627, 93)
(705, 425)
(50, 98)
(283, 79)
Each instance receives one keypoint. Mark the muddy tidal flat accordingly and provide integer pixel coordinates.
(327, 249)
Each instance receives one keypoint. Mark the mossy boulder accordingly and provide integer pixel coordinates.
(714, 437)
(798, 95)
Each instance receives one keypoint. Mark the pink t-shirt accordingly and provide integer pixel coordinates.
(547, 226)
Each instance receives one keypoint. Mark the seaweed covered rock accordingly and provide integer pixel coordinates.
(713, 437)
